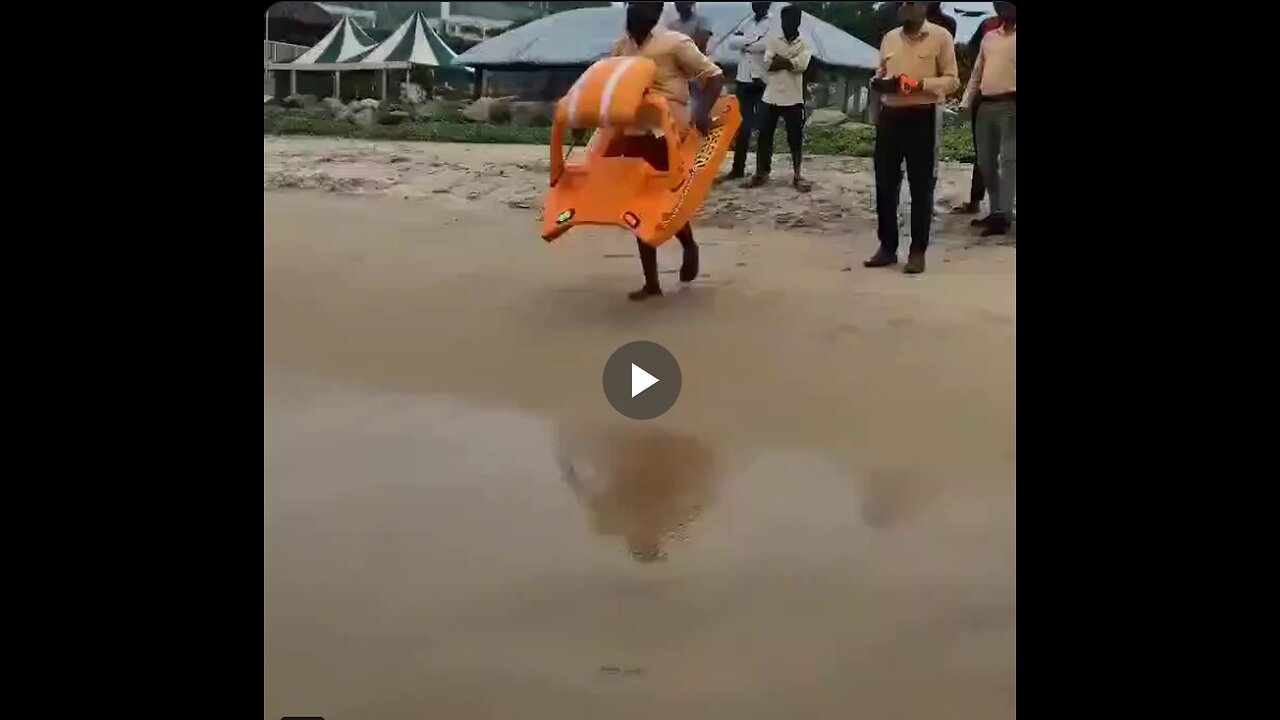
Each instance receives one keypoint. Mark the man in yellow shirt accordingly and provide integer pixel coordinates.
(917, 71)
(679, 62)
(993, 87)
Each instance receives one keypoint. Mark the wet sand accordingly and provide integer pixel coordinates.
(825, 520)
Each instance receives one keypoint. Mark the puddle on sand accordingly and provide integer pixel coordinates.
(425, 557)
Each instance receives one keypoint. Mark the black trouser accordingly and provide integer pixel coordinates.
(749, 94)
(649, 257)
(977, 188)
(654, 151)
(905, 132)
(794, 117)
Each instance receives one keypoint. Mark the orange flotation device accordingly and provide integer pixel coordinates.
(614, 96)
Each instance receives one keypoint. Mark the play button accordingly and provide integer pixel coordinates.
(641, 380)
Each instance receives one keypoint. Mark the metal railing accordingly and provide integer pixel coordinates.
(276, 52)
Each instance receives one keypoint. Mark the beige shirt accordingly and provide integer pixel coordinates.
(678, 62)
(786, 87)
(929, 56)
(996, 71)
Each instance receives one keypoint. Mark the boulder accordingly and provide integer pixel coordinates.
(369, 103)
(412, 93)
(365, 117)
(300, 101)
(355, 106)
(395, 117)
(490, 110)
(438, 110)
(334, 105)
(825, 117)
(532, 113)
(344, 113)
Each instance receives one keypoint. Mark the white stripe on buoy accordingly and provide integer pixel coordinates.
(607, 97)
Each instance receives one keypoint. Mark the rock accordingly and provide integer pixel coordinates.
(354, 106)
(532, 114)
(412, 93)
(490, 110)
(369, 103)
(300, 101)
(365, 117)
(395, 117)
(824, 117)
(344, 113)
(437, 109)
(334, 105)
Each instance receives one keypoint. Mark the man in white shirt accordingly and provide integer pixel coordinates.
(786, 57)
(749, 84)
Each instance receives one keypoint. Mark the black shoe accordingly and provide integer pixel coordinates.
(997, 226)
(981, 222)
(735, 175)
(645, 293)
(915, 264)
(757, 180)
(689, 268)
(882, 258)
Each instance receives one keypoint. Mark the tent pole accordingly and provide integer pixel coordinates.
(293, 82)
(337, 84)
(385, 72)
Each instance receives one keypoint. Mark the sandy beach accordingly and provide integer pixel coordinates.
(449, 499)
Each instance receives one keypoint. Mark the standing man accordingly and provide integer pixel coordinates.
(678, 63)
(993, 88)
(786, 57)
(917, 70)
(976, 187)
(689, 22)
(749, 85)
(937, 17)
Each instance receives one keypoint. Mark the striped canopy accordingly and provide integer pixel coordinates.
(413, 42)
(345, 41)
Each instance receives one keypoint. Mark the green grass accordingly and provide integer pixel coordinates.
(957, 144)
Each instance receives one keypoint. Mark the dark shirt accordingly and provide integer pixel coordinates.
(945, 21)
(986, 26)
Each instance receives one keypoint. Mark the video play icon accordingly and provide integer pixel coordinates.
(642, 380)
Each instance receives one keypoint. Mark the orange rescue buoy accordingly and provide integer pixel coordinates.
(615, 97)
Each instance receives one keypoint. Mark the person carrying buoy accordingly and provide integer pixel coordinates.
(679, 63)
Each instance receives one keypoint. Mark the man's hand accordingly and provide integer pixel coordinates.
(702, 121)
(779, 63)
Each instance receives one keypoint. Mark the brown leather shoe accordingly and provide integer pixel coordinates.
(882, 258)
(915, 264)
